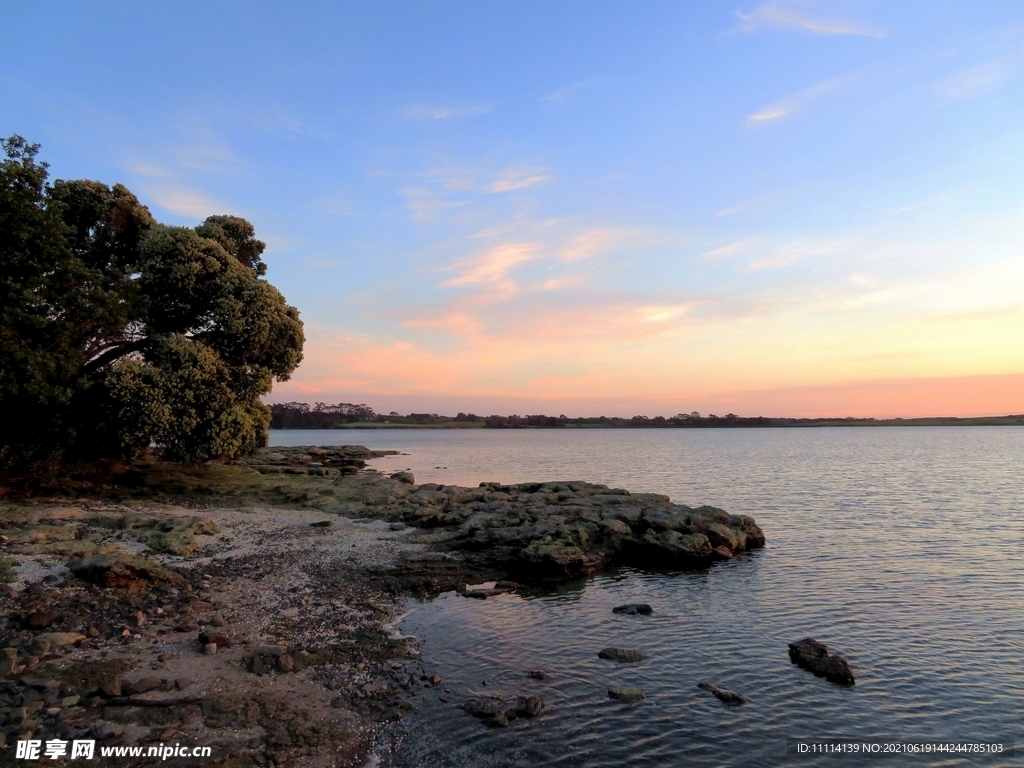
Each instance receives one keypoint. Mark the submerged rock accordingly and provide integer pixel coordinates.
(622, 655)
(727, 697)
(489, 709)
(815, 657)
(631, 609)
(628, 695)
(529, 706)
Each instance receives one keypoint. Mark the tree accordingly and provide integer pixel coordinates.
(117, 332)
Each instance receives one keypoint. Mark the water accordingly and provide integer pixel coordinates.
(899, 548)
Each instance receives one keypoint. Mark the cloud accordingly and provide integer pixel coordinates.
(424, 205)
(978, 80)
(790, 253)
(185, 201)
(726, 250)
(558, 283)
(444, 112)
(492, 266)
(594, 242)
(562, 94)
(161, 184)
(788, 105)
(513, 179)
(773, 17)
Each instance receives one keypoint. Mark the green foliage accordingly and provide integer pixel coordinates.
(117, 331)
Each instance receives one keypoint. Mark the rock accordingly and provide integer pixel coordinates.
(41, 619)
(257, 665)
(404, 477)
(217, 620)
(269, 650)
(112, 688)
(221, 641)
(628, 695)
(142, 685)
(210, 649)
(140, 619)
(285, 663)
(727, 697)
(631, 609)
(537, 674)
(118, 570)
(435, 680)
(529, 706)
(56, 639)
(321, 524)
(488, 709)
(622, 655)
(40, 682)
(815, 657)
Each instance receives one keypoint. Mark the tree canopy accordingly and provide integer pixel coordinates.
(117, 331)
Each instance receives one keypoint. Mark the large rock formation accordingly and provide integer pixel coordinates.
(563, 529)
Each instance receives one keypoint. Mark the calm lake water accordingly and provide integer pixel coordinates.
(902, 549)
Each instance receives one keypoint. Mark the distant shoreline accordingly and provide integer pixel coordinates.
(940, 421)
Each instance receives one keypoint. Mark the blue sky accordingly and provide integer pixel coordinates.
(785, 208)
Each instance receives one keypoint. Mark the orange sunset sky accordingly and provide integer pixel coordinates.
(783, 209)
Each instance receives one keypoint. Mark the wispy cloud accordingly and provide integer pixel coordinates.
(795, 102)
(980, 79)
(164, 187)
(732, 249)
(772, 16)
(425, 205)
(444, 112)
(185, 201)
(493, 265)
(560, 95)
(798, 250)
(514, 179)
(594, 242)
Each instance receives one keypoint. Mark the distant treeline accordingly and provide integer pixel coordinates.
(324, 416)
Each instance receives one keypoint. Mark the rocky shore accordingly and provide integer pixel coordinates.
(250, 607)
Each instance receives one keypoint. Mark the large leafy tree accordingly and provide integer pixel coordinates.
(117, 332)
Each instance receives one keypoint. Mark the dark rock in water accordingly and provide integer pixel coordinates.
(622, 655)
(628, 695)
(631, 609)
(529, 706)
(321, 524)
(490, 710)
(815, 657)
(727, 697)
(537, 674)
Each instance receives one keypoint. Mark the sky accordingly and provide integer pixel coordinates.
(581, 208)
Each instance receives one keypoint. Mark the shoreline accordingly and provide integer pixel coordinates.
(250, 608)
(952, 421)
